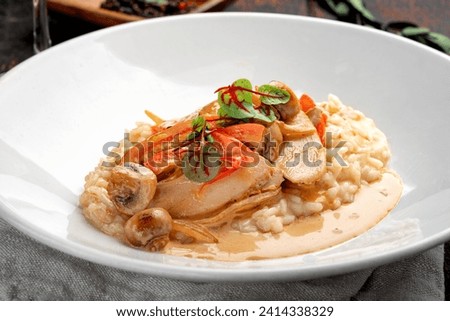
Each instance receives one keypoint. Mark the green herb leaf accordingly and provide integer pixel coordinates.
(229, 109)
(236, 102)
(201, 164)
(198, 123)
(274, 95)
(266, 115)
(192, 135)
(233, 111)
(242, 95)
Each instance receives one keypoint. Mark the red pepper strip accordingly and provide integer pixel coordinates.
(306, 103)
(234, 151)
(158, 161)
(321, 127)
(232, 161)
(247, 133)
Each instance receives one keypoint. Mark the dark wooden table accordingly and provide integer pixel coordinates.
(16, 29)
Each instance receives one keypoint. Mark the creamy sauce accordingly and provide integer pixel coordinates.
(307, 234)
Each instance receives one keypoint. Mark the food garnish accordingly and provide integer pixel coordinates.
(236, 101)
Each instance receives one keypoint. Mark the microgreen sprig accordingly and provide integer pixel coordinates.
(201, 160)
(236, 101)
(202, 156)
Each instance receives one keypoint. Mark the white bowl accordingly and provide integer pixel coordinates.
(60, 107)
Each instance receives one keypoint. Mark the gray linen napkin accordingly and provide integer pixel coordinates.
(32, 271)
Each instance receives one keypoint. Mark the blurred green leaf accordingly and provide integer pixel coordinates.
(340, 9)
(440, 40)
(360, 7)
(414, 31)
(355, 11)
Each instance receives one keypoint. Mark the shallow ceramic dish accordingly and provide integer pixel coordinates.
(61, 107)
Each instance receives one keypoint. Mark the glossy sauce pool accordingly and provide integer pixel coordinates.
(307, 234)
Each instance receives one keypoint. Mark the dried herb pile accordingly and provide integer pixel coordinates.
(150, 8)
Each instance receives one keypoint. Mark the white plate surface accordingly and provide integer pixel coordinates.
(59, 108)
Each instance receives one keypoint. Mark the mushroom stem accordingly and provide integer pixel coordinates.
(196, 231)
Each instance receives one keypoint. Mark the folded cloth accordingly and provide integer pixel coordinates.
(32, 271)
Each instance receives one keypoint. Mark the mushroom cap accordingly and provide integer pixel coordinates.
(292, 107)
(131, 187)
(149, 229)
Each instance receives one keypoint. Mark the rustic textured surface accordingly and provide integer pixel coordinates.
(66, 277)
(16, 29)
(431, 14)
(15, 32)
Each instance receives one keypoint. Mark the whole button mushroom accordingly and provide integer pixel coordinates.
(149, 229)
(131, 187)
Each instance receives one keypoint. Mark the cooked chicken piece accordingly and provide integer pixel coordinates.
(183, 198)
(241, 208)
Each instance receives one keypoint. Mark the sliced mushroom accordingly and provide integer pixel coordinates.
(270, 146)
(149, 229)
(298, 127)
(302, 160)
(131, 188)
(292, 107)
